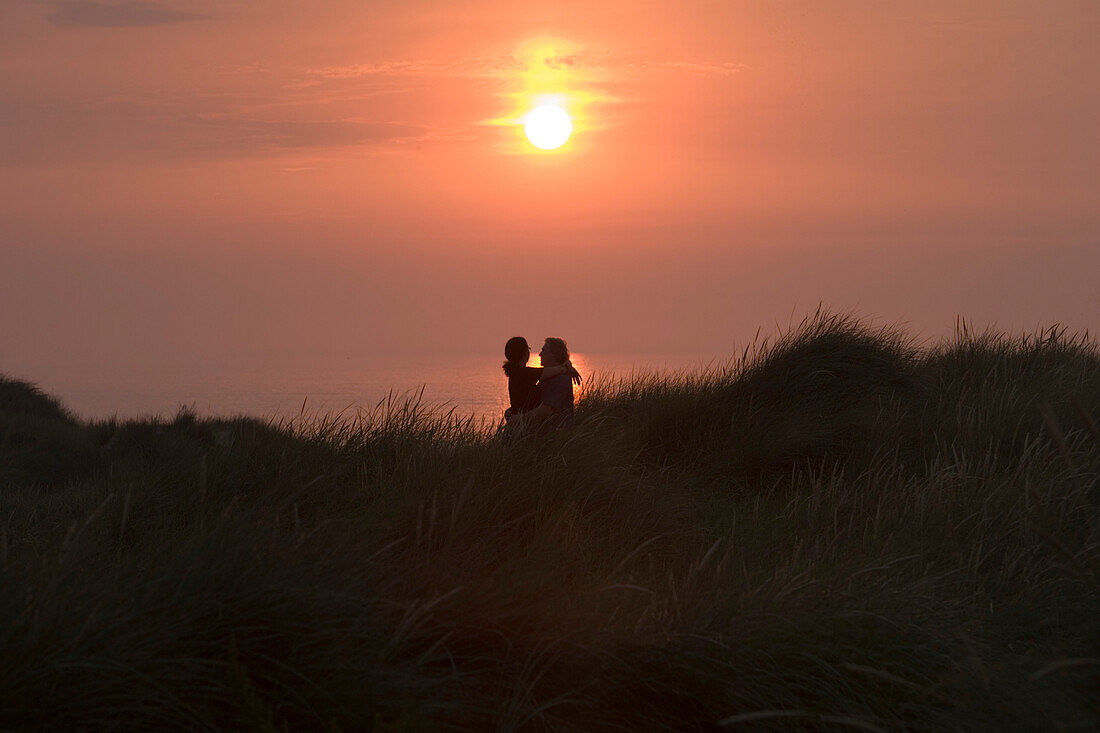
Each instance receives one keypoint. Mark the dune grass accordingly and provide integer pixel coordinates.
(838, 530)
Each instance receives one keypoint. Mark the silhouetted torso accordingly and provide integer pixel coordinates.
(558, 393)
(523, 390)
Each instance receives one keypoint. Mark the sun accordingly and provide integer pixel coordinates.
(548, 126)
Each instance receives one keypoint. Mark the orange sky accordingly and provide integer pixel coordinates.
(247, 180)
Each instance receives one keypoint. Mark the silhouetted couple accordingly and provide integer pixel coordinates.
(539, 395)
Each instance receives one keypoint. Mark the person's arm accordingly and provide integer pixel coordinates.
(566, 368)
(556, 371)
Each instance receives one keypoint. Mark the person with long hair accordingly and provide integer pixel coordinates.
(557, 389)
(525, 383)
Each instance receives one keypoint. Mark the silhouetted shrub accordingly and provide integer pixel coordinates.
(40, 441)
(23, 398)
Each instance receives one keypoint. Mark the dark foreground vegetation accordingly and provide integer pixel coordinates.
(837, 532)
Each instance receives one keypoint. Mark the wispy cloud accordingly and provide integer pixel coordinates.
(35, 133)
(248, 135)
(687, 67)
(556, 62)
(130, 14)
(505, 63)
(473, 66)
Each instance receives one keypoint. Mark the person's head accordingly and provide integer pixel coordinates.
(517, 352)
(554, 352)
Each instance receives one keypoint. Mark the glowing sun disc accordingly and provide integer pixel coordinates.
(548, 127)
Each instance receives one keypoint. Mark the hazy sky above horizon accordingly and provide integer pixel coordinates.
(240, 181)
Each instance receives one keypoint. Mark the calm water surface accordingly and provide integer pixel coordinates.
(471, 385)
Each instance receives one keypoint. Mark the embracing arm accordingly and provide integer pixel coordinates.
(566, 368)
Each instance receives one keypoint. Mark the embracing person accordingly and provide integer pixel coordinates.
(539, 394)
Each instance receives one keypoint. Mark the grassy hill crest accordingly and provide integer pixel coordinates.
(838, 530)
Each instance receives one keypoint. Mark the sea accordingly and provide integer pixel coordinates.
(467, 385)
